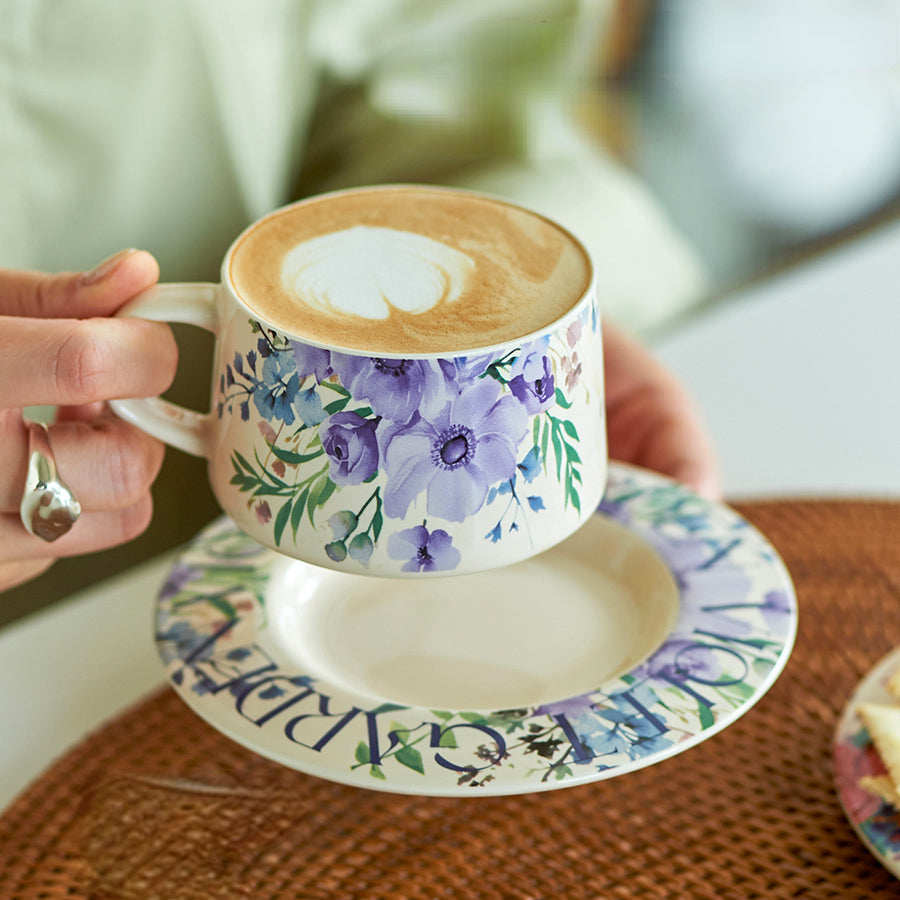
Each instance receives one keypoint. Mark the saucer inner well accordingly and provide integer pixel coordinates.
(551, 627)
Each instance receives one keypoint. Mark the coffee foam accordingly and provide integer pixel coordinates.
(408, 270)
(368, 272)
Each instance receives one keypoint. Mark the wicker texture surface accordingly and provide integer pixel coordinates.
(158, 806)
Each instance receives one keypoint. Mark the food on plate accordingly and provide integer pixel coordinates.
(881, 786)
(882, 721)
(893, 685)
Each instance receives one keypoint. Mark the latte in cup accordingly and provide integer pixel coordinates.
(408, 270)
(407, 381)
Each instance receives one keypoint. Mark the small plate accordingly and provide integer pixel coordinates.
(876, 822)
(656, 625)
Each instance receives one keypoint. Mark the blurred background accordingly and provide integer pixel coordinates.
(766, 132)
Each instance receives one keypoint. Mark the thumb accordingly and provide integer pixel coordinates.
(78, 295)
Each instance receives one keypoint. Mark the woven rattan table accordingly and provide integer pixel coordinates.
(158, 805)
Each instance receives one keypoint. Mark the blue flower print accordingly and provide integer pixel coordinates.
(531, 379)
(424, 550)
(395, 388)
(308, 405)
(530, 467)
(605, 741)
(274, 395)
(181, 640)
(352, 448)
(647, 738)
(629, 719)
(456, 456)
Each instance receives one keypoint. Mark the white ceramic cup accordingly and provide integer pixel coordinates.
(434, 464)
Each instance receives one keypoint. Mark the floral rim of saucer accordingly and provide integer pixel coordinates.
(874, 820)
(732, 636)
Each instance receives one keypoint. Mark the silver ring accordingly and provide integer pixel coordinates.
(49, 508)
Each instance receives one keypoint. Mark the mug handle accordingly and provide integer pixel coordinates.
(188, 303)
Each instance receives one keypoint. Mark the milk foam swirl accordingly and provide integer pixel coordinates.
(366, 271)
(405, 269)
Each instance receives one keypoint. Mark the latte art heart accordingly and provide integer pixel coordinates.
(366, 271)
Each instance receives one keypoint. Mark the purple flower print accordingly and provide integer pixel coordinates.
(312, 361)
(615, 510)
(395, 388)
(274, 395)
(180, 575)
(263, 512)
(455, 457)
(350, 443)
(462, 369)
(681, 659)
(776, 610)
(573, 369)
(703, 570)
(424, 550)
(531, 379)
(573, 708)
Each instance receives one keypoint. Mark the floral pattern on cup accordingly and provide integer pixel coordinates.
(452, 435)
(733, 634)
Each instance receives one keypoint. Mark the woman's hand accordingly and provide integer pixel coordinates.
(58, 346)
(651, 419)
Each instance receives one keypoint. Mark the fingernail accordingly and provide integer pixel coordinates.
(105, 268)
(709, 486)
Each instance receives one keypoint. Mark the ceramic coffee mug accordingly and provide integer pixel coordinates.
(386, 397)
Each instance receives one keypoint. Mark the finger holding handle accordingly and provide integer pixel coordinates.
(59, 347)
(190, 304)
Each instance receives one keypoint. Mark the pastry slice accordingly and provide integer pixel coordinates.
(882, 787)
(883, 723)
(893, 685)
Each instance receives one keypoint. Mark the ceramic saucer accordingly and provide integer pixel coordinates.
(656, 625)
(876, 822)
